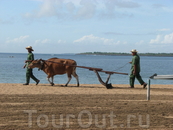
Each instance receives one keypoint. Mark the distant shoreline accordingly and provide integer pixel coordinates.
(104, 53)
(126, 54)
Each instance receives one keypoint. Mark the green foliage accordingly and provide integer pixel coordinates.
(125, 54)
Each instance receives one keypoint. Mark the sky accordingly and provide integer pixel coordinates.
(76, 26)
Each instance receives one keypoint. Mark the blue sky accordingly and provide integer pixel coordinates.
(75, 26)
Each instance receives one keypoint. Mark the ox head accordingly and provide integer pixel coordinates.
(36, 64)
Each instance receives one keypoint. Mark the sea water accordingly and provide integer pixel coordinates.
(11, 68)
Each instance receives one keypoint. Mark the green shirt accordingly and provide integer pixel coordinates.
(135, 61)
(30, 57)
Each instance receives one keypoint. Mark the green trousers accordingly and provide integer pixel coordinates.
(132, 79)
(29, 75)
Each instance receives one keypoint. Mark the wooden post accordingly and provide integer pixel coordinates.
(148, 90)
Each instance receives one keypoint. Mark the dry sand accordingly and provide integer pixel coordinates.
(90, 106)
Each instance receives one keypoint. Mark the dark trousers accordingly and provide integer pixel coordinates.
(132, 79)
(29, 75)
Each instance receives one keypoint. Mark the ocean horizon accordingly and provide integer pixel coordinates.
(12, 68)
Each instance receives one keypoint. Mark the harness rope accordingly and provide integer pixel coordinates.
(121, 67)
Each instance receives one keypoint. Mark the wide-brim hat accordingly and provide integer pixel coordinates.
(134, 51)
(29, 47)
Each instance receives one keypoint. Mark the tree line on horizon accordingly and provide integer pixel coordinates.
(125, 54)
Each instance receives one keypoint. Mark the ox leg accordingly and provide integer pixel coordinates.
(77, 79)
(69, 78)
(50, 81)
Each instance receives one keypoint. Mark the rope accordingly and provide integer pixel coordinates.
(121, 67)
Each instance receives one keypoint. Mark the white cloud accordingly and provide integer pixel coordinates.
(163, 29)
(87, 9)
(62, 9)
(70, 7)
(91, 39)
(167, 39)
(121, 4)
(20, 39)
(61, 41)
(48, 8)
(156, 40)
(81, 9)
(42, 41)
(140, 42)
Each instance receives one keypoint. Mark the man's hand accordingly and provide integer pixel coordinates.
(134, 72)
(24, 66)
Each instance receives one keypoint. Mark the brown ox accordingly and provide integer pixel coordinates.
(55, 66)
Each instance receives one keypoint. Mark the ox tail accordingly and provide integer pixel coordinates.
(74, 68)
(74, 73)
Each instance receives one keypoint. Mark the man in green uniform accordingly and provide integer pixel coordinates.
(29, 73)
(135, 70)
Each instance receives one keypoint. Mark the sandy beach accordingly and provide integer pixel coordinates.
(90, 106)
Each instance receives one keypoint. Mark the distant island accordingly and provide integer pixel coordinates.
(126, 54)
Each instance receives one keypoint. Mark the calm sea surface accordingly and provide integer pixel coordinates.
(12, 71)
